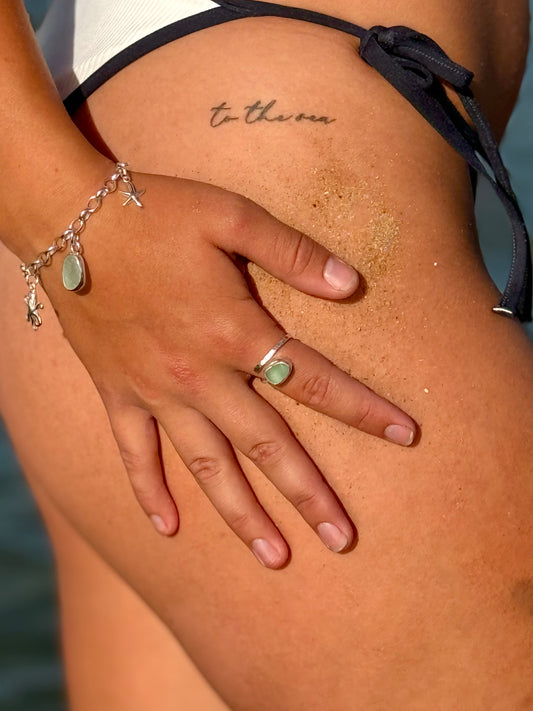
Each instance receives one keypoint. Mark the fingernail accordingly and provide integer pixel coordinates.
(400, 435)
(332, 537)
(265, 553)
(340, 275)
(159, 525)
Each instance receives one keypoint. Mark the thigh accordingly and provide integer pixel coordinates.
(395, 621)
(118, 655)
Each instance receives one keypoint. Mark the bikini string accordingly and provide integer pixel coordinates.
(416, 66)
(413, 63)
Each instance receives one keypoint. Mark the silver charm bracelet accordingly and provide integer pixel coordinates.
(74, 264)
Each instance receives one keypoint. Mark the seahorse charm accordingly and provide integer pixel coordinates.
(32, 316)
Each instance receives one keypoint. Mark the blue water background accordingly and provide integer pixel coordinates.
(30, 676)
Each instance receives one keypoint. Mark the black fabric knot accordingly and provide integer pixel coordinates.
(416, 66)
(403, 51)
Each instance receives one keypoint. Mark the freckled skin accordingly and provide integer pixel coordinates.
(522, 594)
(445, 528)
(422, 614)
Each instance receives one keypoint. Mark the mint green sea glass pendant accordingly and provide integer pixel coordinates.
(277, 372)
(73, 272)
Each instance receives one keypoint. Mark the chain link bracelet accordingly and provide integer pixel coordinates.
(74, 264)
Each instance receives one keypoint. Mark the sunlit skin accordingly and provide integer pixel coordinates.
(430, 608)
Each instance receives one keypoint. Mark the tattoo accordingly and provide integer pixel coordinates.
(261, 113)
(218, 117)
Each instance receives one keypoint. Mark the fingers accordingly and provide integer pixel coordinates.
(288, 254)
(211, 460)
(319, 384)
(138, 442)
(259, 432)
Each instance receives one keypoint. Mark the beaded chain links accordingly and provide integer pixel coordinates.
(74, 264)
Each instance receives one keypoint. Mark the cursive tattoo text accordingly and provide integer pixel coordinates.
(261, 113)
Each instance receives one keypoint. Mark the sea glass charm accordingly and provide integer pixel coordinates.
(277, 372)
(73, 272)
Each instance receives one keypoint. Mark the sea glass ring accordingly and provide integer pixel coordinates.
(275, 370)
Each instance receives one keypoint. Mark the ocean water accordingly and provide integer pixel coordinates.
(30, 675)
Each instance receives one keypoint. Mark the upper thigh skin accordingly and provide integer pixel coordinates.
(445, 528)
(117, 654)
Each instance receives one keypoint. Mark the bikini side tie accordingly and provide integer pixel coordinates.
(415, 65)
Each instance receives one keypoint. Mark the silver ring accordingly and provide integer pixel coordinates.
(275, 371)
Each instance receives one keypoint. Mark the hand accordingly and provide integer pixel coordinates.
(170, 334)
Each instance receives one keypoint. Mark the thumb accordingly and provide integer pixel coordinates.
(290, 255)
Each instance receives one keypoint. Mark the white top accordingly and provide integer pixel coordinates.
(79, 36)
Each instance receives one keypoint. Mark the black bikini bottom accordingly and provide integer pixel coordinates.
(414, 65)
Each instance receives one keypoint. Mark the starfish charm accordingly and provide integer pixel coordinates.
(133, 196)
(33, 316)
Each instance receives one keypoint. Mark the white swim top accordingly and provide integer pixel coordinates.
(79, 36)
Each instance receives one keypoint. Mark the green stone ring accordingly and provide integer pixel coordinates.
(277, 371)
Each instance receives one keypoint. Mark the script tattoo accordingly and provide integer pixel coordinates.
(261, 113)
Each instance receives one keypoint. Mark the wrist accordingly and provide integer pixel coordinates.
(47, 165)
(74, 267)
(47, 193)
